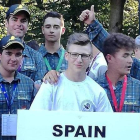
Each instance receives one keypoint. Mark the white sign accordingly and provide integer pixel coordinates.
(51, 125)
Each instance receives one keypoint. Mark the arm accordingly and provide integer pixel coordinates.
(103, 104)
(95, 30)
(40, 66)
(43, 99)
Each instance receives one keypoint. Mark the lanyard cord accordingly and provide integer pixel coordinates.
(59, 63)
(118, 109)
(9, 102)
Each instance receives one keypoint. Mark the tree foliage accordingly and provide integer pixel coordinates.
(71, 9)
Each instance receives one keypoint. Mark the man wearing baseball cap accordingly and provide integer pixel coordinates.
(17, 20)
(16, 90)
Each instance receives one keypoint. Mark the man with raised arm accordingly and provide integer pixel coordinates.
(98, 34)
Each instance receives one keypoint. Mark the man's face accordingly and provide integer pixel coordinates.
(10, 59)
(121, 61)
(17, 25)
(78, 63)
(52, 29)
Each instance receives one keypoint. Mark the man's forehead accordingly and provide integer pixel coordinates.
(52, 21)
(49, 24)
(125, 51)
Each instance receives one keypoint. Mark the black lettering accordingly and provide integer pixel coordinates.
(80, 131)
(90, 131)
(102, 133)
(57, 129)
(69, 128)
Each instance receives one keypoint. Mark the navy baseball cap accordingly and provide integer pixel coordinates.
(7, 41)
(14, 9)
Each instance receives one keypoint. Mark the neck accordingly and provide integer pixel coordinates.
(8, 76)
(114, 77)
(52, 47)
(75, 77)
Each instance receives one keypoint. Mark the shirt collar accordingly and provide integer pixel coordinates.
(102, 80)
(16, 77)
(44, 51)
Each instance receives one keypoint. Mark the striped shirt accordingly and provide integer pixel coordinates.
(132, 95)
(33, 65)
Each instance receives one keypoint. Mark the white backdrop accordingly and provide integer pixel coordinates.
(39, 125)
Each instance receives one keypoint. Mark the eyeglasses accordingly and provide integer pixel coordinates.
(76, 55)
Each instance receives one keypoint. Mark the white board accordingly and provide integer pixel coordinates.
(43, 125)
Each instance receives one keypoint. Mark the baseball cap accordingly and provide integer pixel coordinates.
(14, 9)
(7, 41)
(137, 40)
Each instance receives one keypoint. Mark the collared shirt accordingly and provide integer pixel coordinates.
(24, 95)
(33, 65)
(98, 34)
(132, 96)
(54, 58)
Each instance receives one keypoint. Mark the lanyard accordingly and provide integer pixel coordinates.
(9, 102)
(89, 68)
(118, 109)
(59, 63)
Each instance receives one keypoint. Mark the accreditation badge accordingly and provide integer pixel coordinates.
(9, 124)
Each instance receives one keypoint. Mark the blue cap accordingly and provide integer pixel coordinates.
(14, 9)
(7, 41)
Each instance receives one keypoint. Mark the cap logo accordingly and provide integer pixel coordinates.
(20, 6)
(12, 38)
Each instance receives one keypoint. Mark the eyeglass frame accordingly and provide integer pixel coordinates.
(83, 58)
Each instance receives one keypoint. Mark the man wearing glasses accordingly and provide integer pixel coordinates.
(75, 91)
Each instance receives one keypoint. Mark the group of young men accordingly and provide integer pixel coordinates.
(22, 68)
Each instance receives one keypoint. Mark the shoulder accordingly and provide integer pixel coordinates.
(32, 51)
(133, 80)
(95, 88)
(93, 83)
(24, 78)
(41, 48)
(101, 79)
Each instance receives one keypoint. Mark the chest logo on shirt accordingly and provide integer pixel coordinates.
(87, 106)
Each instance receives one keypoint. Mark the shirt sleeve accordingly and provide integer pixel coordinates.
(103, 103)
(43, 99)
(40, 66)
(97, 34)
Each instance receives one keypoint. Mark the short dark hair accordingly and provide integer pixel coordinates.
(54, 15)
(78, 39)
(116, 41)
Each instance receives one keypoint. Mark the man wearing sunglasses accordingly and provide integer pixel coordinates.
(75, 91)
